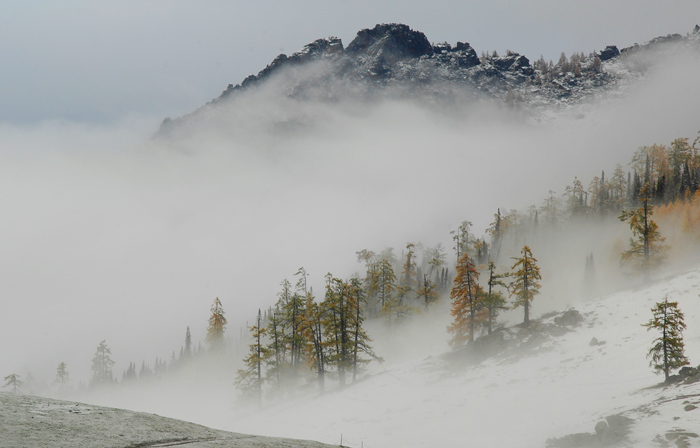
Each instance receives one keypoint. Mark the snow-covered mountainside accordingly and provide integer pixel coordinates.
(563, 376)
(575, 378)
(394, 61)
(34, 422)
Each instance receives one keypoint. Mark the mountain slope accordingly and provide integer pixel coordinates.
(556, 380)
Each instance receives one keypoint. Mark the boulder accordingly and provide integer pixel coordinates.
(610, 52)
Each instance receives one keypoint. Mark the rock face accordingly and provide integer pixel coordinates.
(394, 60)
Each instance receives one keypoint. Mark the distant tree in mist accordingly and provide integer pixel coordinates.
(525, 285)
(187, 352)
(667, 353)
(467, 307)
(12, 380)
(102, 364)
(62, 376)
(646, 250)
(409, 274)
(217, 326)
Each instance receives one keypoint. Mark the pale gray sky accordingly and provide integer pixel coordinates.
(99, 61)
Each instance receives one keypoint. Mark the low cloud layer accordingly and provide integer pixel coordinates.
(109, 234)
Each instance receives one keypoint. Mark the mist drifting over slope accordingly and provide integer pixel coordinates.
(116, 236)
(112, 235)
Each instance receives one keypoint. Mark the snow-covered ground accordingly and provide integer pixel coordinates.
(556, 382)
(34, 422)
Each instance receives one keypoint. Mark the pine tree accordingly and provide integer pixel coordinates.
(62, 376)
(525, 285)
(467, 306)
(250, 379)
(102, 366)
(667, 352)
(646, 250)
(217, 326)
(12, 380)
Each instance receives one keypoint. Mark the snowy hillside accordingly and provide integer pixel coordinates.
(560, 386)
(553, 380)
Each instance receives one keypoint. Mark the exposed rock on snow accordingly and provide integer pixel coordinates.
(29, 422)
(611, 432)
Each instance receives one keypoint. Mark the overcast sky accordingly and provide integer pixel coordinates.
(99, 61)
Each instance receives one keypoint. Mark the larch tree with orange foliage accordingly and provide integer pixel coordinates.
(526, 276)
(467, 309)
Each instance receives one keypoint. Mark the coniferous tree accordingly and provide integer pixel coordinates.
(428, 292)
(667, 353)
(525, 286)
(493, 300)
(62, 376)
(646, 250)
(385, 284)
(360, 338)
(312, 330)
(409, 274)
(336, 326)
(462, 238)
(217, 326)
(12, 380)
(467, 305)
(102, 364)
(187, 353)
(250, 379)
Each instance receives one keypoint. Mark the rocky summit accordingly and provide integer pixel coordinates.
(392, 60)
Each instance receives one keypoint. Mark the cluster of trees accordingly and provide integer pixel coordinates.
(476, 307)
(301, 336)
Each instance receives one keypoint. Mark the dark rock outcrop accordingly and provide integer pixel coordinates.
(610, 52)
(394, 60)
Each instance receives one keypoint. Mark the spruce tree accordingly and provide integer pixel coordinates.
(667, 353)
(525, 286)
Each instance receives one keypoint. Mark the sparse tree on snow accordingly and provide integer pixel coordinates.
(667, 353)
(525, 285)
